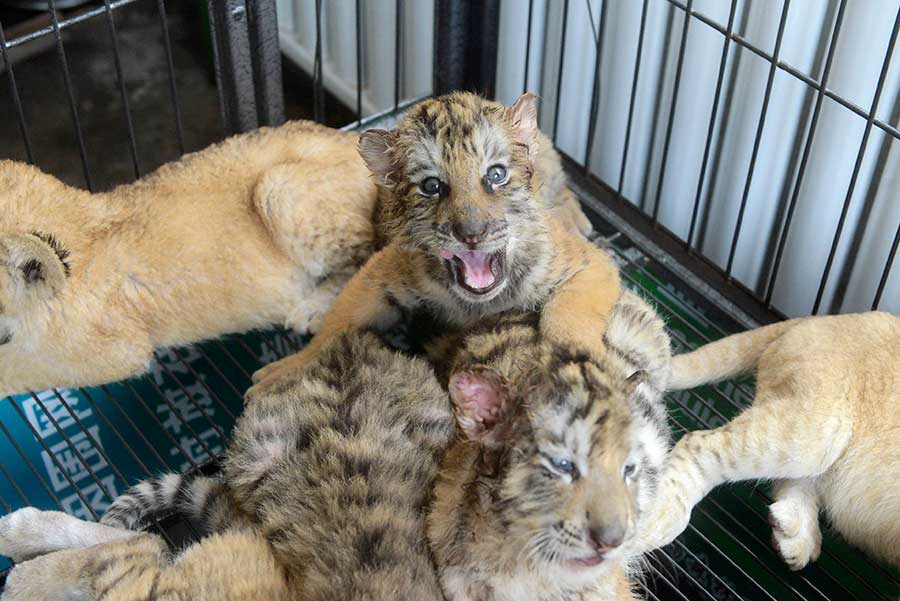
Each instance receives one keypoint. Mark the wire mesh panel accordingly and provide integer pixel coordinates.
(757, 138)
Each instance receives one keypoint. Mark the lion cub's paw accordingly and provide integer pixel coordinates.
(22, 534)
(795, 532)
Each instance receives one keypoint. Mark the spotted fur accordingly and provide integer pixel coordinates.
(509, 521)
(528, 223)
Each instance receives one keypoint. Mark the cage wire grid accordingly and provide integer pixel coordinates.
(187, 403)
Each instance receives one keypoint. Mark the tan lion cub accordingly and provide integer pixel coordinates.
(470, 199)
(825, 426)
(262, 228)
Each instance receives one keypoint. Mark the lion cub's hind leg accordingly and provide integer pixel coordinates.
(794, 517)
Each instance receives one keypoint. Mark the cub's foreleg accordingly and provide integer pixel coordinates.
(370, 299)
(578, 310)
(779, 437)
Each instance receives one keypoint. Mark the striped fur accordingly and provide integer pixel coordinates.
(823, 425)
(530, 237)
(508, 524)
(327, 477)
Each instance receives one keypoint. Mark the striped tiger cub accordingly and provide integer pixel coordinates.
(322, 498)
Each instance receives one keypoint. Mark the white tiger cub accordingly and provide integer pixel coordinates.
(824, 426)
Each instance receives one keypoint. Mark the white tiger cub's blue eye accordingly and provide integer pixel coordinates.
(430, 186)
(563, 465)
(496, 174)
(629, 470)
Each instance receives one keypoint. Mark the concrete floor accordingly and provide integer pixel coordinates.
(90, 58)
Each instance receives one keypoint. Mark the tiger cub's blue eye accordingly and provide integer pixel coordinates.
(563, 465)
(496, 174)
(430, 186)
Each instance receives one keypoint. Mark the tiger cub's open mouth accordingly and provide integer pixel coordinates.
(476, 271)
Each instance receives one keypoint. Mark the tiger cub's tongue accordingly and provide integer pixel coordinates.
(476, 267)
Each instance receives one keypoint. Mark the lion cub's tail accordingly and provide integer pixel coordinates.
(731, 356)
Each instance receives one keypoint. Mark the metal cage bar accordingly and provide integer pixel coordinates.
(17, 101)
(70, 94)
(759, 131)
(123, 92)
(801, 171)
(676, 88)
(873, 108)
(559, 71)
(713, 114)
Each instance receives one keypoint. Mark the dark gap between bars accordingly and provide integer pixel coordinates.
(170, 64)
(123, 92)
(17, 101)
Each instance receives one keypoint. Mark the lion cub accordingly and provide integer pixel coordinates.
(473, 209)
(824, 425)
(262, 228)
(538, 500)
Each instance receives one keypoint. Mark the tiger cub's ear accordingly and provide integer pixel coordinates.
(376, 149)
(523, 117)
(481, 401)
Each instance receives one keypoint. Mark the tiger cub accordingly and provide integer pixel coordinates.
(324, 486)
(558, 459)
(824, 426)
(471, 196)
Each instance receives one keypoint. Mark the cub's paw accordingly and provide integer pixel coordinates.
(24, 534)
(795, 532)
